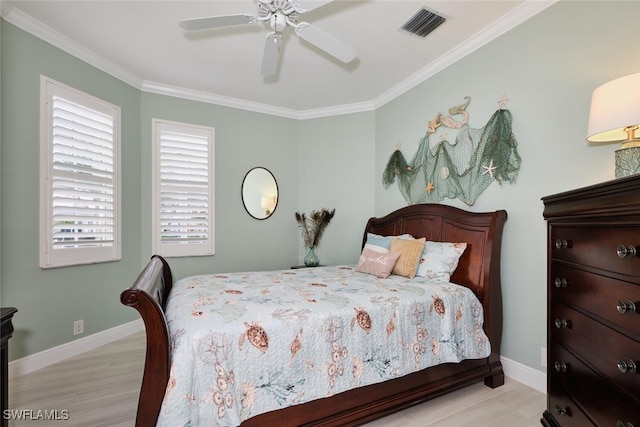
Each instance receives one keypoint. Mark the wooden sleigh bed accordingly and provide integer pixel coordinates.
(478, 269)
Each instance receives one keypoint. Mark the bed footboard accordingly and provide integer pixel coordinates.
(148, 295)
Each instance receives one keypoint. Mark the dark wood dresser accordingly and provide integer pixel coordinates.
(593, 306)
(6, 330)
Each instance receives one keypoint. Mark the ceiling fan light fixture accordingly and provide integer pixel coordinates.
(279, 14)
(278, 22)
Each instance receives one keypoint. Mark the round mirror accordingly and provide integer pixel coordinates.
(259, 193)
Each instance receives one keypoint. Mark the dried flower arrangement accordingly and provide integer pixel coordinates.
(312, 226)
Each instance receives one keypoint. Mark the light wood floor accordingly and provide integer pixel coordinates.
(100, 388)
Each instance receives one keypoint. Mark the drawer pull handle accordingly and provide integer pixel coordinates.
(560, 244)
(626, 307)
(560, 282)
(627, 366)
(560, 366)
(623, 424)
(562, 323)
(626, 251)
(563, 411)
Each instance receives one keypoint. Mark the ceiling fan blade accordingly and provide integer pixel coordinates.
(326, 42)
(308, 5)
(216, 22)
(271, 54)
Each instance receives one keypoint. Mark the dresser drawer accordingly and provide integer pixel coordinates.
(598, 247)
(564, 410)
(602, 403)
(610, 299)
(604, 348)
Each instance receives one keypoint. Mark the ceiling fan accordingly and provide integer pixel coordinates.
(279, 14)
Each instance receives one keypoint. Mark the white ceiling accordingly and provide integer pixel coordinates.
(141, 43)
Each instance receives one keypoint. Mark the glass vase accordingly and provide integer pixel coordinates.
(311, 258)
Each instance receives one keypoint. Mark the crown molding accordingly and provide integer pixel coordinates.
(511, 20)
(210, 98)
(336, 110)
(206, 97)
(43, 32)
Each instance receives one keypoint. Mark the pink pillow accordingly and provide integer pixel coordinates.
(372, 262)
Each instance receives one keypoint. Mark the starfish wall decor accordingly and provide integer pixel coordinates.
(460, 169)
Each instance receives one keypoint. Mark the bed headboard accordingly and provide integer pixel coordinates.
(478, 267)
(480, 263)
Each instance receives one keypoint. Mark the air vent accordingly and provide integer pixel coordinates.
(423, 23)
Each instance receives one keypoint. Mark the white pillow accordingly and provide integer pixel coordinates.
(440, 259)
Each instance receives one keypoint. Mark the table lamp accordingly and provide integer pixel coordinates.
(615, 117)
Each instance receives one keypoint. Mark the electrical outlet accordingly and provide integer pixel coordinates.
(78, 327)
(543, 357)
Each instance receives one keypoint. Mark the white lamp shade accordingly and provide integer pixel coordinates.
(614, 106)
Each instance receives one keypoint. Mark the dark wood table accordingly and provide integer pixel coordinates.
(6, 330)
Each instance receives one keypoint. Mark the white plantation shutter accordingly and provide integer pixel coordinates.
(80, 182)
(183, 189)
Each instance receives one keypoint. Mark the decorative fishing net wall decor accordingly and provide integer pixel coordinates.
(462, 169)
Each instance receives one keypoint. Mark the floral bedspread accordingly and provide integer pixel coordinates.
(248, 343)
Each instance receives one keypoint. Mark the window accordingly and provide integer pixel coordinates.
(80, 177)
(183, 189)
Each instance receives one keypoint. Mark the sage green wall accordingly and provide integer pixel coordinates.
(336, 171)
(548, 68)
(50, 300)
(243, 140)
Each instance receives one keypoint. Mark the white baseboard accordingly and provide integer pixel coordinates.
(59, 353)
(533, 378)
(512, 369)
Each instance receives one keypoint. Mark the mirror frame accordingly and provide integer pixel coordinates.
(254, 214)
